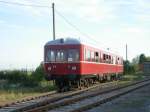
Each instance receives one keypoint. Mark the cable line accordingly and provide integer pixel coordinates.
(57, 12)
(74, 26)
(77, 29)
(21, 4)
(82, 33)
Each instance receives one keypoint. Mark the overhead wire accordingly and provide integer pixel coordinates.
(57, 12)
(67, 21)
(62, 16)
(21, 4)
(77, 29)
(74, 26)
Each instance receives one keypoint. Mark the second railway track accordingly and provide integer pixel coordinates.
(85, 101)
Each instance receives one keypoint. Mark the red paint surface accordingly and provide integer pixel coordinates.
(82, 67)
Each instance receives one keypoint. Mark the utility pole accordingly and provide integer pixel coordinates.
(126, 52)
(53, 10)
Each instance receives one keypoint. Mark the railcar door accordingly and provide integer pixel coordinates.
(73, 62)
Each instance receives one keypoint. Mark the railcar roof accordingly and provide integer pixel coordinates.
(64, 41)
(75, 41)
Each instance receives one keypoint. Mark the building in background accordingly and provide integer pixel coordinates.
(146, 67)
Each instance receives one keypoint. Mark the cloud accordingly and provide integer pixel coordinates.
(93, 10)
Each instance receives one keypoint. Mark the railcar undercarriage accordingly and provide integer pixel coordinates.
(66, 83)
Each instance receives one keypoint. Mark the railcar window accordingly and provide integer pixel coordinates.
(96, 54)
(73, 55)
(88, 55)
(97, 57)
(92, 56)
(107, 59)
(104, 57)
(84, 54)
(101, 58)
(60, 56)
(114, 60)
(50, 56)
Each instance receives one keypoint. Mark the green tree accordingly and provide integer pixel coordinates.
(135, 63)
(128, 68)
(142, 58)
(38, 74)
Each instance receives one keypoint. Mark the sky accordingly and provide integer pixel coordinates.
(24, 30)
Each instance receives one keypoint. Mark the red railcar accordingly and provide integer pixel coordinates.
(71, 62)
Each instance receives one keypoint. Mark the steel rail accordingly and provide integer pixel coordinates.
(95, 99)
(71, 100)
(27, 104)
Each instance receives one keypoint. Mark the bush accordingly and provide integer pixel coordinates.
(18, 77)
(128, 68)
(38, 74)
(23, 78)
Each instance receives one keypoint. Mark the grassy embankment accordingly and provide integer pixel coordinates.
(14, 92)
(11, 92)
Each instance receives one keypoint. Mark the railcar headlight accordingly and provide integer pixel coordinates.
(74, 67)
(49, 68)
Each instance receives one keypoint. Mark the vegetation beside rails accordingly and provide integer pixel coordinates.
(23, 78)
(10, 92)
(13, 92)
(16, 84)
(134, 77)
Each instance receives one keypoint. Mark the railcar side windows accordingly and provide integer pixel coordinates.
(96, 54)
(92, 56)
(107, 59)
(97, 57)
(114, 60)
(88, 55)
(104, 57)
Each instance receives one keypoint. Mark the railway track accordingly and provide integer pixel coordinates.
(28, 98)
(85, 101)
(48, 98)
(7, 106)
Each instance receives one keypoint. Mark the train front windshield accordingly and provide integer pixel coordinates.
(70, 55)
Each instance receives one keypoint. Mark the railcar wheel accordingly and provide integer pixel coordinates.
(85, 83)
